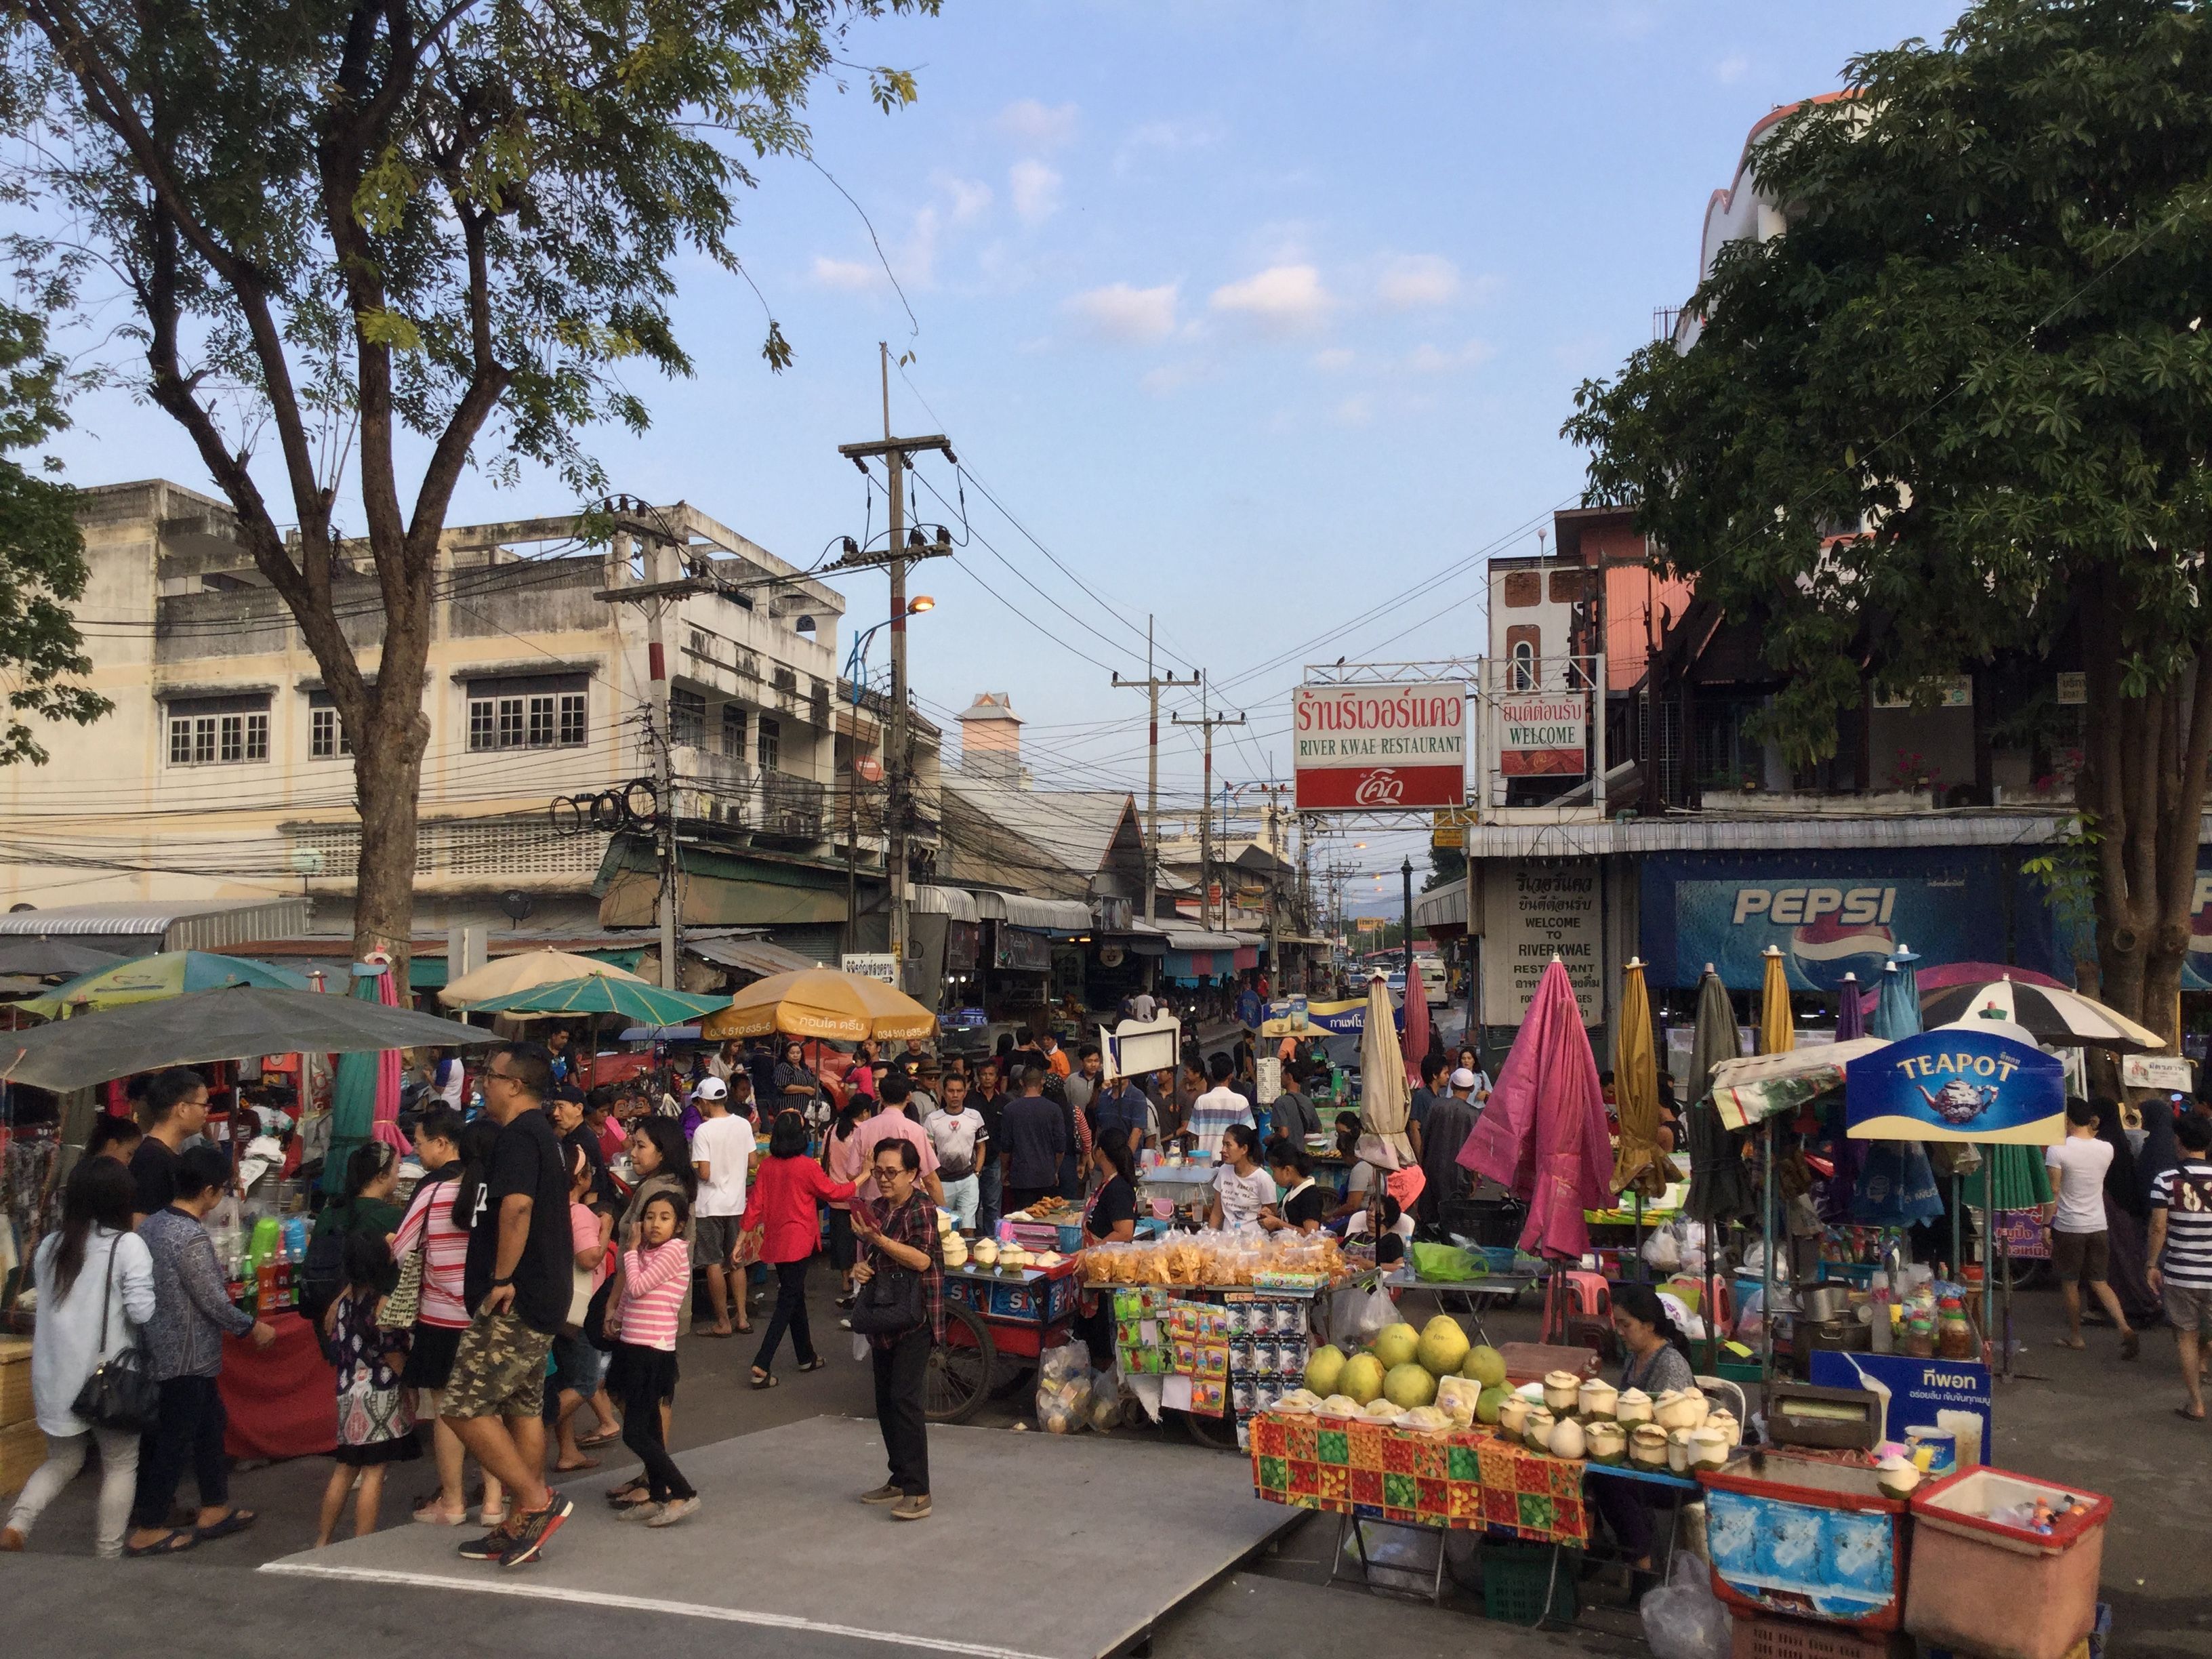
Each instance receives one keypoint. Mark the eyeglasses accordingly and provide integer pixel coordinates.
(503, 1077)
(890, 1171)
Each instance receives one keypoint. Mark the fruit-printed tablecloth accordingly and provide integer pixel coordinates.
(1466, 1479)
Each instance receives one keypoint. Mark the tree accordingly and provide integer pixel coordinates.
(1961, 407)
(41, 550)
(400, 231)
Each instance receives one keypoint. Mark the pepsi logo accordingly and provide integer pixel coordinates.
(1823, 952)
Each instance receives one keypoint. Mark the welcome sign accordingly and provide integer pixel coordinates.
(1957, 1083)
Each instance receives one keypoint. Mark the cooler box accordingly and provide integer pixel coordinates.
(2005, 1591)
(1805, 1538)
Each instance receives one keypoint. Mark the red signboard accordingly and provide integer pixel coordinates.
(1380, 748)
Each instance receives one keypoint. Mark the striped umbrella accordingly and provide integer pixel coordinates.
(2051, 1013)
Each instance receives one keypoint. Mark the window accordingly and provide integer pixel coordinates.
(218, 731)
(733, 730)
(545, 711)
(687, 718)
(771, 743)
(1524, 676)
(326, 738)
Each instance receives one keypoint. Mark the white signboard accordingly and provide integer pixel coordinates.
(872, 964)
(2156, 1071)
(1534, 910)
(1542, 734)
(1358, 748)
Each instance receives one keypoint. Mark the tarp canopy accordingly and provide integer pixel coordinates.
(1759, 1086)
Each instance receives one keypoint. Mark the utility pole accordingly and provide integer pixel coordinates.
(1151, 685)
(1206, 721)
(898, 771)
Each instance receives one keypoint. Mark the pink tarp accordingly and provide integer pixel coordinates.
(1543, 1136)
(388, 1069)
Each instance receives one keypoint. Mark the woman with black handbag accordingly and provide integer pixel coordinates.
(900, 1311)
(95, 1283)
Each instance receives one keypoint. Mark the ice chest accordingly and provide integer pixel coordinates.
(1806, 1538)
(2003, 1591)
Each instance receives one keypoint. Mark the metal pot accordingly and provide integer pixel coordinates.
(1822, 1303)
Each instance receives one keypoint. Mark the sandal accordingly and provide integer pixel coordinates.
(620, 1494)
(2075, 1343)
(175, 1541)
(236, 1521)
(577, 1468)
(431, 1516)
(766, 1379)
(817, 1364)
(604, 1437)
(2187, 1415)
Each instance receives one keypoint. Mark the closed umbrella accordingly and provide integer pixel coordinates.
(1638, 1163)
(1898, 1012)
(503, 976)
(1777, 1031)
(1385, 1101)
(1547, 1145)
(1851, 1012)
(1417, 1024)
(365, 1101)
(1720, 1190)
(1842, 1150)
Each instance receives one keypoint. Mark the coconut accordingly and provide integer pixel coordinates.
(1536, 1429)
(1512, 1413)
(1709, 1447)
(956, 1250)
(1567, 1439)
(987, 1252)
(1396, 1344)
(1409, 1385)
(1362, 1377)
(1634, 1406)
(1678, 1450)
(1896, 1477)
(1605, 1442)
(1485, 1365)
(1647, 1446)
(1725, 1421)
(1678, 1408)
(1442, 1348)
(1561, 1390)
(1599, 1398)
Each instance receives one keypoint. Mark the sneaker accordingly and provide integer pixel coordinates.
(674, 1510)
(886, 1494)
(916, 1508)
(534, 1529)
(490, 1548)
(644, 1511)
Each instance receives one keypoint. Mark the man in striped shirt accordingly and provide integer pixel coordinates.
(2180, 1251)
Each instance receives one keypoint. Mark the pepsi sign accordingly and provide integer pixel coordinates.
(1824, 929)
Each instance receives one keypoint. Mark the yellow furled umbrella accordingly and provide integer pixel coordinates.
(1777, 1033)
(820, 1002)
(1385, 1103)
(526, 970)
(1638, 1163)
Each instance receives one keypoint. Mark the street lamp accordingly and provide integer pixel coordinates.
(1406, 874)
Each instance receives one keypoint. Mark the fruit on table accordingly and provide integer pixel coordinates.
(1897, 1476)
(1680, 1408)
(1567, 1439)
(1561, 1390)
(1599, 1398)
(1395, 1344)
(1513, 1412)
(1362, 1377)
(1339, 1405)
(1536, 1429)
(1485, 1365)
(1442, 1348)
(1606, 1442)
(987, 1252)
(1491, 1407)
(1458, 1398)
(1324, 1370)
(1647, 1446)
(956, 1251)
(1408, 1385)
(1634, 1406)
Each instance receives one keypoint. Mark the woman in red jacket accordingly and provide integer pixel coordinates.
(787, 1190)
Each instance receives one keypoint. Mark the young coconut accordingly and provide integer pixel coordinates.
(1599, 1399)
(1561, 1390)
(1634, 1406)
(1536, 1432)
(1568, 1439)
(1647, 1446)
(1896, 1477)
(1605, 1442)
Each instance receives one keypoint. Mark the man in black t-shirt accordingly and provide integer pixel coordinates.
(516, 1284)
(176, 1109)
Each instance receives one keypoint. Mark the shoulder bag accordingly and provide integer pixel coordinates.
(404, 1305)
(119, 1394)
(890, 1302)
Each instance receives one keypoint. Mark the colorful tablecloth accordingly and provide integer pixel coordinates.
(1464, 1479)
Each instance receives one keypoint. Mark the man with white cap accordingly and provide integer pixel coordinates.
(1451, 1120)
(721, 1156)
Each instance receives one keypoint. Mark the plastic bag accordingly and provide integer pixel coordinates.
(1354, 1317)
(1683, 1618)
(1105, 1412)
(1663, 1250)
(1063, 1394)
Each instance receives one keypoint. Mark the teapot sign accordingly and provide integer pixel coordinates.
(1380, 748)
(1957, 1083)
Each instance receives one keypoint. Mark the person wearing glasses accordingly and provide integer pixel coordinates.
(516, 1284)
(899, 1231)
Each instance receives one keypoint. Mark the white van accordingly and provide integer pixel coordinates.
(1435, 987)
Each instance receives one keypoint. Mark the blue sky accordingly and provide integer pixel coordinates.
(1255, 314)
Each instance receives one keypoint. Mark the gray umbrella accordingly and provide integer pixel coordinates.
(1720, 1190)
(53, 958)
(234, 1023)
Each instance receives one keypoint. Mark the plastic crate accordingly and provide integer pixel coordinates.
(1761, 1636)
(1485, 1220)
(1516, 1576)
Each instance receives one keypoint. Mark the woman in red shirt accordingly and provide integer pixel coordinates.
(786, 1191)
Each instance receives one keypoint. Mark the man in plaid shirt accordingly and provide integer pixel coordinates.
(900, 1232)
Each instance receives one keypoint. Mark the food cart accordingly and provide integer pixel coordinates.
(999, 1321)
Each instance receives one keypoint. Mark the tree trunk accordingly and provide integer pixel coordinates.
(388, 771)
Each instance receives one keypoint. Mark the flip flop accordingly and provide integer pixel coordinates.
(2187, 1415)
(617, 1494)
(604, 1437)
(236, 1521)
(576, 1468)
(175, 1541)
(716, 1336)
(2061, 1342)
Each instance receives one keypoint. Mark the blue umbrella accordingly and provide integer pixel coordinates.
(1898, 1014)
(1897, 1184)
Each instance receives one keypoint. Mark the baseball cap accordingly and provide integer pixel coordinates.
(1463, 1079)
(711, 1088)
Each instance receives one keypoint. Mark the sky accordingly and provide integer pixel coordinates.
(1259, 317)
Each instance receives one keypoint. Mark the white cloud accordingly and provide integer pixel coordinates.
(971, 199)
(846, 276)
(1136, 316)
(1166, 138)
(1282, 298)
(1163, 382)
(1425, 359)
(1357, 410)
(1035, 122)
(1334, 361)
(1414, 280)
(1732, 68)
(1035, 191)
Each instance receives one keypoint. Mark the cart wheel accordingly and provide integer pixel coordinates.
(959, 1374)
(1214, 1433)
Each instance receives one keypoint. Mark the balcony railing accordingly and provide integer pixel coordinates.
(724, 790)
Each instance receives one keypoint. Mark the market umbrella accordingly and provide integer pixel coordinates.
(365, 1100)
(2051, 1013)
(1417, 1024)
(1850, 1011)
(1548, 1144)
(1385, 1102)
(1851, 1007)
(504, 974)
(636, 1000)
(1895, 1184)
(1719, 1189)
(148, 979)
(1897, 1014)
(1777, 1031)
(1639, 1162)
(1947, 974)
(46, 958)
(237, 1021)
(819, 1002)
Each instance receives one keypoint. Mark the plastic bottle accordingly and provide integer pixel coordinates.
(1954, 1337)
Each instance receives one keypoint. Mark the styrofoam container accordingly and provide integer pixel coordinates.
(2002, 1591)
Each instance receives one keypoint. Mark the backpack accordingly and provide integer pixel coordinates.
(322, 1275)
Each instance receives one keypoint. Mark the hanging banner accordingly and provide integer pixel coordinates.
(1379, 748)
(1542, 734)
(1957, 1083)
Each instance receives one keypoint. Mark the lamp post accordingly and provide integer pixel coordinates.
(856, 674)
(1405, 875)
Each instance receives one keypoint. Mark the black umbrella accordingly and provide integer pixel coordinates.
(2051, 1013)
(1720, 1189)
(234, 1023)
(53, 958)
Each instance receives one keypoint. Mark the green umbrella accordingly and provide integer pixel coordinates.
(639, 1003)
(149, 979)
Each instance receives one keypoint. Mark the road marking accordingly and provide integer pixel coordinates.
(509, 1586)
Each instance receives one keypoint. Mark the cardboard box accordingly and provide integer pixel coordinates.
(14, 1381)
(23, 1449)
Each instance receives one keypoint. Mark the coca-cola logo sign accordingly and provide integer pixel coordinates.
(1380, 747)
(1380, 789)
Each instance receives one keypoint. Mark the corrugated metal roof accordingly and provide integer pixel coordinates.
(946, 901)
(175, 924)
(1054, 915)
(751, 955)
(1441, 907)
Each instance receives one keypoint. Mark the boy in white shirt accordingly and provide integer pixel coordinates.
(2081, 1248)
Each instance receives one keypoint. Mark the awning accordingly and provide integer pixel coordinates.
(1442, 909)
(1048, 915)
(952, 902)
(136, 927)
(750, 956)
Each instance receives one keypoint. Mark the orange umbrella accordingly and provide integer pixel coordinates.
(820, 1002)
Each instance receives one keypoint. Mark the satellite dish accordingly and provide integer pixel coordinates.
(869, 769)
(517, 903)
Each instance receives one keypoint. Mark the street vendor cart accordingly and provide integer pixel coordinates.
(998, 1321)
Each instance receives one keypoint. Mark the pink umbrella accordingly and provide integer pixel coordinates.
(1417, 1024)
(1543, 1135)
(387, 1128)
(1957, 973)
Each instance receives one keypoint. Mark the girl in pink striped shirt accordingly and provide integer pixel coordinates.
(656, 1267)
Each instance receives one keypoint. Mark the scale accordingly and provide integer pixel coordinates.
(1834, 1419)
